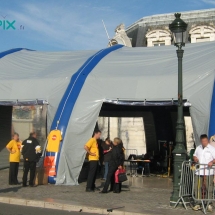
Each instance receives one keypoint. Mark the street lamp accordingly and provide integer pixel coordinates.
(178, 27)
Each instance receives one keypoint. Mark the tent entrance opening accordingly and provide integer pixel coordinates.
(147, 129)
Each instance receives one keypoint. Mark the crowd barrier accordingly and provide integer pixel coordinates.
(127, 163)
(186, 182)
(197, 183)
(203, 185)
(129, 152)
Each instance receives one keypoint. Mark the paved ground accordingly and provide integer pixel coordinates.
(145, 195)
(21, 210)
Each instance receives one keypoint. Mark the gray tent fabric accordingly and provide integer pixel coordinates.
(133, 74)
(137, 74)
(33, 75)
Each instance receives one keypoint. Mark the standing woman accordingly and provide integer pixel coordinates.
(107, 147)
(14, 147)
(118, 186)
(116, 162)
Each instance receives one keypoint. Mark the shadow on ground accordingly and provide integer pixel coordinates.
(10, 189)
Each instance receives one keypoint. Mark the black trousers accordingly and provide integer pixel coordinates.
(29, 165)
(110, 180)
(93, 166)
(101, 168)
(13, 173)
(117, 187)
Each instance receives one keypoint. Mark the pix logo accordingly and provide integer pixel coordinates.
(6, 24)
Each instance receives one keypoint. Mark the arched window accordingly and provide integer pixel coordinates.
(202, 34)
(158, 38)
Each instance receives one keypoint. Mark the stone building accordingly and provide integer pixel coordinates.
(154, 30)
(145, 132)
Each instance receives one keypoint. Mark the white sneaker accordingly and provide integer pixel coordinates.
(196, 207)
(210, 208)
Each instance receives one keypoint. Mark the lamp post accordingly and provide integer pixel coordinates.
(178, 27)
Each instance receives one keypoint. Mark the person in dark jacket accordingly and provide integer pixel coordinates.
(107, 147)
(31, 152)
(101, 157)
(116, 162)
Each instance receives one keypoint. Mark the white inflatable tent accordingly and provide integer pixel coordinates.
(76, 83)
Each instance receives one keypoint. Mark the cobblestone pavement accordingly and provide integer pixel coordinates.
(144, 195)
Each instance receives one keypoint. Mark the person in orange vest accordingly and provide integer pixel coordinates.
(91, 148)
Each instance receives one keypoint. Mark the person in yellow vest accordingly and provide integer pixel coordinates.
(93, 155)
(14, 147)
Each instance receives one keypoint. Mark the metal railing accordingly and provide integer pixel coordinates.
(127, 164)
(197, 181)
(203, 185)
(129, 152)
(186, 182)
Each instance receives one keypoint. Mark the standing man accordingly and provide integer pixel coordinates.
(93, 154)
(31, 152)
(14, 147)
(204, 154)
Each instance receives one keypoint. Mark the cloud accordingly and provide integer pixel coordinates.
(209, 2)
(55, 25)
(101, 8)
(67, 26)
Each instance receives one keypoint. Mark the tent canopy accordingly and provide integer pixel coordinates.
(76, 83)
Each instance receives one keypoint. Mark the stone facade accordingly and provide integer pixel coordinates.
(133, 134)
(120, 37)
(130, 130)
(201, 28)
(158, 37)
(26, 119)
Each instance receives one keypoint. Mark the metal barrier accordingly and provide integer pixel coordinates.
(130, 152)
(127, 163)
(186, 182)
(203, 185)
(197, 181)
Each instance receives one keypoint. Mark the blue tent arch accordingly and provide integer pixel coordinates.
(70, 96)
(11, 51)
(212, 114)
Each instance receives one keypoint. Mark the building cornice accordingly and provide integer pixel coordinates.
(167, 18)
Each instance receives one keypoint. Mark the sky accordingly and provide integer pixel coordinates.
(50, 25)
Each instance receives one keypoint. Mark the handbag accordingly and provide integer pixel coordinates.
(122, 177)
